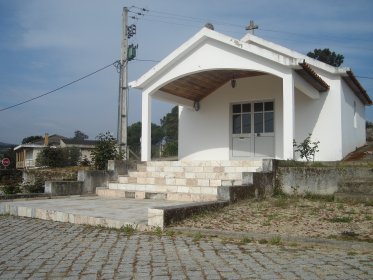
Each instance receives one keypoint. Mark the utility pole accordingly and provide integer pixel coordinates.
(123, 88)
(251, 27)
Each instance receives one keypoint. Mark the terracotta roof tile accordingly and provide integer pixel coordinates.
(311, 77)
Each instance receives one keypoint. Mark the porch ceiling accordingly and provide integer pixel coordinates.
(197, 86)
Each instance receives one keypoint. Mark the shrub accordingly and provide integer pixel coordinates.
(58, 157)
(36, 187)
(307, 149)
(10, 189)
(105, 149)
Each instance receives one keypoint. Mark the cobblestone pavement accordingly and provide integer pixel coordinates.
(38, 249)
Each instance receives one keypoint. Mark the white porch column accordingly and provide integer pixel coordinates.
(288, 115)
(146, 127)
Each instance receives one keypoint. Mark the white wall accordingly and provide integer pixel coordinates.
(322, 118)
(353, 131)
(205, 135)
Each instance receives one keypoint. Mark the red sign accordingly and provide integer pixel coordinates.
(5, 162)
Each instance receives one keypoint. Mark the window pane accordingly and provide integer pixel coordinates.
(237, 108)
(258, 122)
(246, 123)
(268, 122)
(236, 124)
(258, 107)
(268, 106)
(246, 108)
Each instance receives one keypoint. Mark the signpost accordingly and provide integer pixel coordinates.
(5, 162)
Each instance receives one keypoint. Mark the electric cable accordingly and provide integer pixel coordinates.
(61, 87)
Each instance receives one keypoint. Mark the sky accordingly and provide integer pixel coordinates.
(46, 44)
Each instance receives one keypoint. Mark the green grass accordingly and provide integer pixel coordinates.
(276, 240)
(197, 236)
(369, 203)
(128, 229)
(344, 219)
(158, 231)
(246, 240)
(368, 218)
(281, 202)
(170, 233)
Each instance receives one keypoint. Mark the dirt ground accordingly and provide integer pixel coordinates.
(291, 216)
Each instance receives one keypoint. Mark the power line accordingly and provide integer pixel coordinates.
(362, 77)
(171, 18)
(59, 88)
(146, 60)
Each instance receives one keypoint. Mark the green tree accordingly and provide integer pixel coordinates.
(71, 156)
(170, 124)
(170, 127)
(51, 157)
(105, 149)
(157, 134)
(327, 56)
(134, 134)
(31, 139)
(11, 155)
(78, 135)
(58, 157)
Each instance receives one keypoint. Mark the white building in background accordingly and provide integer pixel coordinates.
(249, 98)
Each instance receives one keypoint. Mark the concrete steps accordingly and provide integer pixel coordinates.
(174, 196)
(182, 180)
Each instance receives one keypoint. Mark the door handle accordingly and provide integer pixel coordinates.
(258, 134)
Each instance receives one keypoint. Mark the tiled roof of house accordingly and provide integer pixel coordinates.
(73, 141)
(52, 140)
(312, 78)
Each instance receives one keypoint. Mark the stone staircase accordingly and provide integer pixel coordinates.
(193, 181)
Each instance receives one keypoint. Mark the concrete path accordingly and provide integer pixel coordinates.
(91, 210)
(39, 249)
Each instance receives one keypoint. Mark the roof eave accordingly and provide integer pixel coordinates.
(357, 88)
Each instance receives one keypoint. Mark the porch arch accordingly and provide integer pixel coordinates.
(186, 88)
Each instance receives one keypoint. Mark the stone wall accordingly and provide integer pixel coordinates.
(50, 174)
(317, 180)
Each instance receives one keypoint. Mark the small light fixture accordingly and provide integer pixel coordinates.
(233, 82)
(196, 106)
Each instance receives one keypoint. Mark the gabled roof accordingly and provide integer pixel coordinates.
(29, 146)
(52, 140)
(196, 86)
(71, 141)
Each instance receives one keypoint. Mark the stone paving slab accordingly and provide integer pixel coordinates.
(91, 210)
(39, 249)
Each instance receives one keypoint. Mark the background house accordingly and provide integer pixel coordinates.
(26, 154)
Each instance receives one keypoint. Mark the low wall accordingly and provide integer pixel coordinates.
(317, 180)
(49, 174)
(63, 187)
(164, 216)
(88, 180)
(92, 179)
